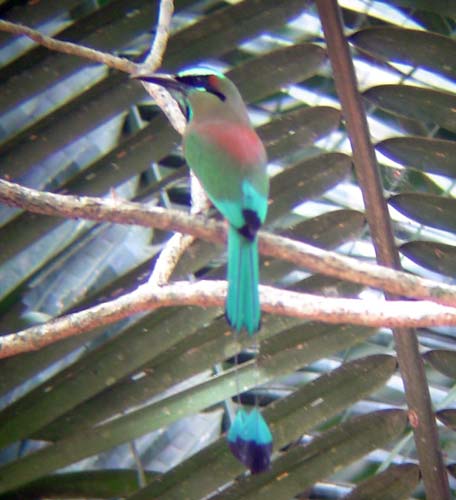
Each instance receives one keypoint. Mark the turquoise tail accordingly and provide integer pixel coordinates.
(243, 301)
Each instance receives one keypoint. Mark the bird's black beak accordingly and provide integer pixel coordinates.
(168, 82)
(177, 89)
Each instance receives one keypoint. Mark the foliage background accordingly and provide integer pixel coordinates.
(158, 386)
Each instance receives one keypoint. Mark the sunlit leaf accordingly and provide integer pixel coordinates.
(427, 154)
(437, 257)
(398, 482)
(298, 128)
(430, 210)
(442, 360)
(447, 417)
(417, 103)
(417, 48)
(283, 356)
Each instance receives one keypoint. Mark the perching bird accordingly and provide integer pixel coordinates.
(229, 159)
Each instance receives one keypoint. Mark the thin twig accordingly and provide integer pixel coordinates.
(119, 63)
(297, 252)
(178, 244)
(161, 97)
(153, 62)
(140, 472)
(373, 313)
(169, 257)
(157, 50)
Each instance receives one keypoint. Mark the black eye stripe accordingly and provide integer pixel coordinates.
(218, 94)
(194, 80)
(201, 82)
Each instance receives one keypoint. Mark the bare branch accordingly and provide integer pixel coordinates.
(161, 97)
(178, 244)
(301, 254)
(153, 61)
(212, 293)
(169, 257)
(73, 49)
(155, 57)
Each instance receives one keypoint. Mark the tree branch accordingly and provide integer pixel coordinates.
(301, 254)
(178, 244)
(119, 63)
(157, 50)
(153, 60)
(169, 257)
(212, 293)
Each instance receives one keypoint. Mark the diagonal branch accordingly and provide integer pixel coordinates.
(153, 60)
(301, 254)
(157, 50)
(73, 49)
(178, 244)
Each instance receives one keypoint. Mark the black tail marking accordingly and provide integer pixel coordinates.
(251, 226)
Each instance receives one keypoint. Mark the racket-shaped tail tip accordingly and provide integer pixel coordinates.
(250, 441)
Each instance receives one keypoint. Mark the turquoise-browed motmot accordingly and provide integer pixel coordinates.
(229, 159)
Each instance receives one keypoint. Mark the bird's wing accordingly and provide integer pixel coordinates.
(230, 161)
